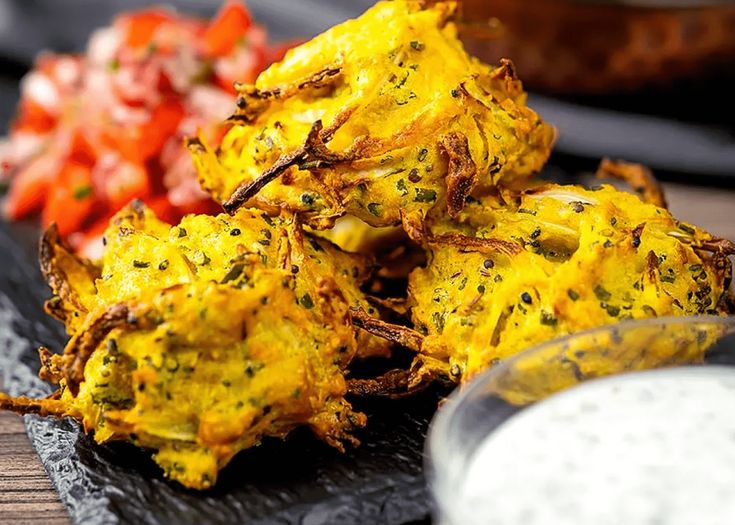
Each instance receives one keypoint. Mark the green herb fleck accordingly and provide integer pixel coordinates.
(307, 302)
(438, 320)
(547, 318)
(418, 46)
(82, 192)
(425, 195)
(602, 294)
(374, 208)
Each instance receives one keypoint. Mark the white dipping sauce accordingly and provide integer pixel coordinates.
(654, 448)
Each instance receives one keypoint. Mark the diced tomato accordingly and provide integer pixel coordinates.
(110, 123)
(164, 121)
(82, 151)
(31, 185)
(71, 200)
(139, 143)
(126, 143)
(227, 28)
(141, 26)
(33, 117)
(163, 209)
(205, 206)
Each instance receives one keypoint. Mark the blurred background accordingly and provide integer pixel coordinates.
(645, 80)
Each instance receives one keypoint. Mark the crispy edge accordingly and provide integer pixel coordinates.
(51, 248)
(394, 384)
(251, 102)
(639, 177)
(49, 406)
(395, 333)
(461, 171)
(465, 244)
(85, 342)
(313, 154)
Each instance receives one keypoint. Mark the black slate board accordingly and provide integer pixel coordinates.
(297, 481)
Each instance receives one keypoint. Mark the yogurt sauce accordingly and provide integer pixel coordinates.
(653, 448)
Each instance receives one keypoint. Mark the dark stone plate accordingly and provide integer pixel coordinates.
(299, 480)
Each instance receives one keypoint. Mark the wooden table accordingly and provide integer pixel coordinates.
(27, 496)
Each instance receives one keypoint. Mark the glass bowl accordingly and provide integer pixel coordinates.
(478, 408)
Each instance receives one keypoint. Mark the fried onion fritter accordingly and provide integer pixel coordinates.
(199, 340)
(516, 270)
(216, 248)
(383, 118)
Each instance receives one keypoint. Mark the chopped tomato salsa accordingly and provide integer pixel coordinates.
(97, 130)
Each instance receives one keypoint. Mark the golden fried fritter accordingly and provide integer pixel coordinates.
(202, 247)
(514, 271)
(200, 339)
(383, 117)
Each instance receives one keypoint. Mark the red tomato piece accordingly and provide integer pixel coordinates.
(141, 26)
(164, 121)
(71, 200)
(31, 185)
(33, 117)
(227, 28)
